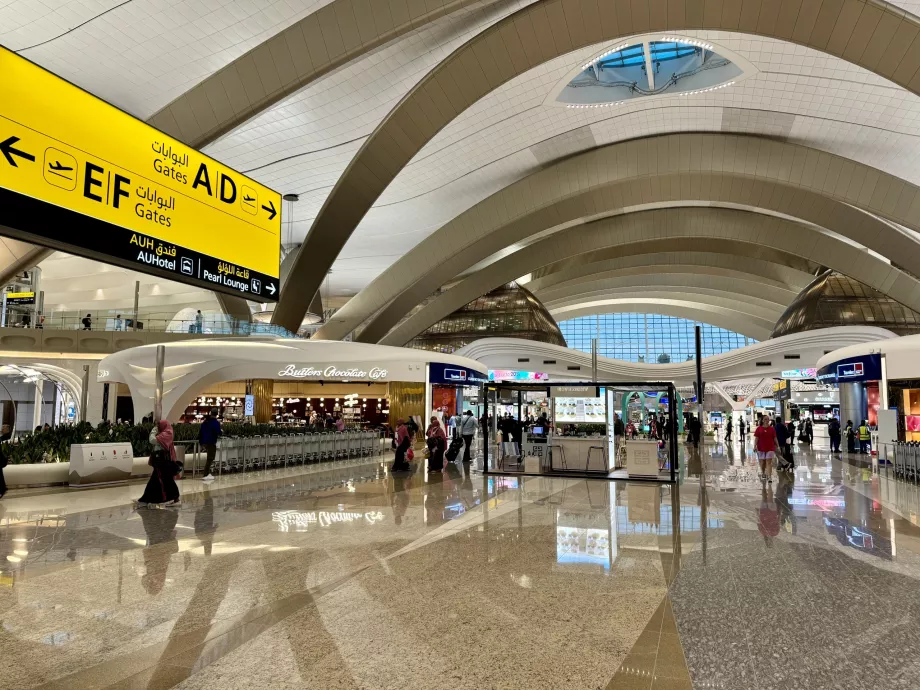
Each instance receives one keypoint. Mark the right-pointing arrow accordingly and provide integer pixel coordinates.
(6, 148)
(271, 209)
(271, 288)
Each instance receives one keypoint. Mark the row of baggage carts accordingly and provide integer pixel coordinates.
(904, 457)
(237, 454)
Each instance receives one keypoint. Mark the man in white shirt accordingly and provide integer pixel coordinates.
(468, 431)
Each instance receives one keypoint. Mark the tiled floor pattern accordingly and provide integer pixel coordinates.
(349, 577)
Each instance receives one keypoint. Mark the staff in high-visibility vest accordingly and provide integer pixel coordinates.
(864, 436)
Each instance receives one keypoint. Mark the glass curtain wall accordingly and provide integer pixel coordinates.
(650, 338)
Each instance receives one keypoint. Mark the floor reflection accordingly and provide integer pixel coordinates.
(600, 583)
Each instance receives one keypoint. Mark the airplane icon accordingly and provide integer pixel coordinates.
(60, 169)
(249, 201)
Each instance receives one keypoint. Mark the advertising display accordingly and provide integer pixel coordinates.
(79, 175)
(509, 375)
(574, 410)
(100, 463)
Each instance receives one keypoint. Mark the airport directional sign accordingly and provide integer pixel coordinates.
(80, 175)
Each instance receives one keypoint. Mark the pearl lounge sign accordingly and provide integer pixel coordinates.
(332, 372)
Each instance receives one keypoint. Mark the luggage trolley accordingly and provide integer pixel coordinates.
(311, 447)
(907, 460)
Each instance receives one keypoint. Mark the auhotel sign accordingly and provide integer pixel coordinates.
(332, 372)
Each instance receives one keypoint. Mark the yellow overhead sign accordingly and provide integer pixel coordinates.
(123, 191)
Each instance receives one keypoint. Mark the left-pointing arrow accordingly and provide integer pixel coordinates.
(6, 148)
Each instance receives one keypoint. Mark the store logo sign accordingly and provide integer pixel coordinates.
(332, 372)
(849, 370)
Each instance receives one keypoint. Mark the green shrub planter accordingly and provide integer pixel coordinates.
(54, 445)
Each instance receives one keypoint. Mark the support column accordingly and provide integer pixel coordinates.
(406, 400)
(854, 403)
(263, 389)
(37, 407)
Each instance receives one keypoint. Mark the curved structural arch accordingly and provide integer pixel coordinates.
(503, 353)
(309, 49)
(729, 231)
(869, 33)
(567, 272)
(789, 179)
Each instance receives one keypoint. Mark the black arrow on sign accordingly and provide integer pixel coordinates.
(6, 148)
(271, 210)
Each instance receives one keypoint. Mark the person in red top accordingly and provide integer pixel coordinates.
(765, 445)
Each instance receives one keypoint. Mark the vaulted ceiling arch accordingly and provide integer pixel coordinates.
(868, 33)
(753, 172)
(723, 230)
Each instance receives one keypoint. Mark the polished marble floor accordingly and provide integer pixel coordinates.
(345, 576)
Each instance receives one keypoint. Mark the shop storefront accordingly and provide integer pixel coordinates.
(285, 381)
(879, 382)
(582, 431)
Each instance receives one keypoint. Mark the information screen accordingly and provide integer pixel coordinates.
(80, 175)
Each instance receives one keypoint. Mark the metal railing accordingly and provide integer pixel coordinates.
(210, 324)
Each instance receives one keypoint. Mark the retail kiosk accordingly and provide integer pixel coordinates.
(581, 435)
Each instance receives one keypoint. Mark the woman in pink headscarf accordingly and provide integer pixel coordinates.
(162, 487)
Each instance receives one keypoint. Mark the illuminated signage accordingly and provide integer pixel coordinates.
(781, 390)
(332, 372)
(22, 298)
(510, 375)
(249, 405)
(299, 521)
(853, 369)
(79, 175)
(850, 370)
(800, 373)
(454, 374)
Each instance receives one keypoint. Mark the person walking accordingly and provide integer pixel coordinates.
(87, 323)
(468, 431)
(809, 431)
(162, 487)
(696, 428)
(765, 444)
(742, 430)
(455, 422)
(783, 443)
(208, 434)
(403, 442)
(728, 430)
(199, 321)
(851, 437)
(119, 323)
(339, 423)
(833, 430)
(437, 442)
(864, 436)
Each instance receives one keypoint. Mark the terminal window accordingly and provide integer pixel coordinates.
(651, 338)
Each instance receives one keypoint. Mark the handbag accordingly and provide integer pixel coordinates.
(410, 455)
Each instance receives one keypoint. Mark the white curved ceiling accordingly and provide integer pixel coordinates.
(142, 54)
